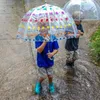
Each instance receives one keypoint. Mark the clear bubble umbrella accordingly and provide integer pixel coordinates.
(56, 22)
(83, 9)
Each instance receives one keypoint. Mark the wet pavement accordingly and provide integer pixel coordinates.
(18, 71)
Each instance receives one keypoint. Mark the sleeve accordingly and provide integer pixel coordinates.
(37, 44)
(82, 29)
(55, 45)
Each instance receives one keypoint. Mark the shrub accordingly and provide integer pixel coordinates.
(95, 45)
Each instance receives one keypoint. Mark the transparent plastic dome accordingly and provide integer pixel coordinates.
(55, 19)
(83, 9)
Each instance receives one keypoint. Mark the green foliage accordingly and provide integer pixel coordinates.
(95, 45)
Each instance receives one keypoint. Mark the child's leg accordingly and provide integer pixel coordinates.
(69, 60)
(50, 74)
(42, 76)
(50, 78)
(41, 79)
(75, 57)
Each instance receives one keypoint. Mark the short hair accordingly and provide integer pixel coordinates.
(78, 15)
(42, 22)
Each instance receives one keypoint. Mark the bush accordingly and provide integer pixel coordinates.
(95, 46)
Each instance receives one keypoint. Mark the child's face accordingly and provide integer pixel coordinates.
(43, 28)
(77, 22)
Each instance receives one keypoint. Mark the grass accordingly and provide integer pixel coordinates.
(95, 46)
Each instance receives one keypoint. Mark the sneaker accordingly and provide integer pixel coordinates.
(38, 88)
(51, 88)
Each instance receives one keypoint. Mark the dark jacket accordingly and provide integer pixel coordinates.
(72, 43)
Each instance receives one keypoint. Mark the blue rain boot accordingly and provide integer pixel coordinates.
(51, 88)
(38, 88)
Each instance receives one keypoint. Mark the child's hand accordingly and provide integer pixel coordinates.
(50, 54)
(78, 35)
(79, 32)
(47, 38)
(70, 34)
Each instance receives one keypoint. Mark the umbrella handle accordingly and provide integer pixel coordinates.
(52, 58)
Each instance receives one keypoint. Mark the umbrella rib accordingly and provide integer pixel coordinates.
(28, 21)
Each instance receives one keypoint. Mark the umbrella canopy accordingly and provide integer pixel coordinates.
(46, 18)
(83, 9)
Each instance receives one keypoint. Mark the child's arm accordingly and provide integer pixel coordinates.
(55, 49)
(77, 35)
(80, 32)
(51, 54)
(41, 48)
(69, 34)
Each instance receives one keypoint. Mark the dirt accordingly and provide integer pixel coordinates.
(18, 71)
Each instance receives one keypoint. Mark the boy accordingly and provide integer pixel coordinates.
(72, 44)
(46, 49)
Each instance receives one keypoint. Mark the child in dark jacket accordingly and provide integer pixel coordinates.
(72, 44)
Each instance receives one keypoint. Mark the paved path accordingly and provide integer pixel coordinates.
(18, 71)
